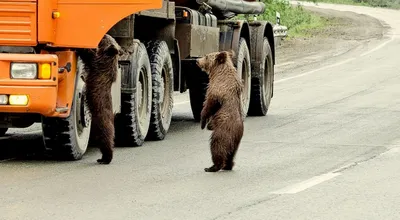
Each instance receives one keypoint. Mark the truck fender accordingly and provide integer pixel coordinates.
(259, 30)
(231, 32)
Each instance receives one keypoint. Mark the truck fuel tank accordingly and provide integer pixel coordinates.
(236, 6)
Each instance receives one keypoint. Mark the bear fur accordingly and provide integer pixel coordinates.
(222, 108)
(101, 67)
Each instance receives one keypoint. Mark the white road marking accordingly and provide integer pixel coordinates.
(337, 64)
(284, 64)
(306, 184)
(345, 167)
(391, 152)
(379, 46)
(316, 70)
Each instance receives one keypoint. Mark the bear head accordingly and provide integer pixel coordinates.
(212, 60)
(107, 51)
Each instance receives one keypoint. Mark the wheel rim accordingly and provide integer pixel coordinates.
(142, 97)
(165, 95)
(162, 93)
(267, 81)
(82, 116)
(268, 77)
(246, 86)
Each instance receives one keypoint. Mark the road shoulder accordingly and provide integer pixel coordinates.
(346, 32)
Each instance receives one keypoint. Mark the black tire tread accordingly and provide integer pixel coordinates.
(197, 94)
(59, 133)
(3, 131)
(257, 105)
(127, 133)
(246, 52)
(126, 123)
(159, 53)
(256, 108)
(58, 136)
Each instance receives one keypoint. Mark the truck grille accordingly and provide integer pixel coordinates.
(18, 23)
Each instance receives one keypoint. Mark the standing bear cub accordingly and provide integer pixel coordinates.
(222, 108)
(101, 67)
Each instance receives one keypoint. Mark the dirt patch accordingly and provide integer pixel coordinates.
(345, 31)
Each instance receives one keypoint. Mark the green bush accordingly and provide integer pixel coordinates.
(298, 21)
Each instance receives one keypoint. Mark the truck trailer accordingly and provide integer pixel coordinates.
(42, 78)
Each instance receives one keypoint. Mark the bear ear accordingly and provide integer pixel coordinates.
(221, 57)
(112, 50)
(86, 53)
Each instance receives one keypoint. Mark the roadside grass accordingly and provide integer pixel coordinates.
(300, 22)
(393, 4)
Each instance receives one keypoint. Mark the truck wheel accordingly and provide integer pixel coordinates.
(261, 90)
(3, 131)
(197, 95)
(132, 123)
(68, 138)
(163, 88)
(197, 83)
(244, 70)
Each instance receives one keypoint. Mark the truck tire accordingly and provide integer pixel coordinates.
(68, 138)
(262, 85)
(197, 83)
(3, 131)
(132, 123)
(163, 89)
(197, 95)
(244, 70)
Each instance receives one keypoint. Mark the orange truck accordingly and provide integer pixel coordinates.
(42, 79)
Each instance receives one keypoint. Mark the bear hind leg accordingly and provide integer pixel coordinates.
(229, 163)
(106, 141)
(218, 161)
(218, 153)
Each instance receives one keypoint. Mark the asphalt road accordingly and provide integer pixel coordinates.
(328, 149)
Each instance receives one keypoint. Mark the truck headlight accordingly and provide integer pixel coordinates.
(3, 99)
(24, 70)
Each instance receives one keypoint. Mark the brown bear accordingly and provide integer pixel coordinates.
(222, 108)
(101, 66)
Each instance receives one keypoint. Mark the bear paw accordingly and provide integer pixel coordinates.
(104, 161)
